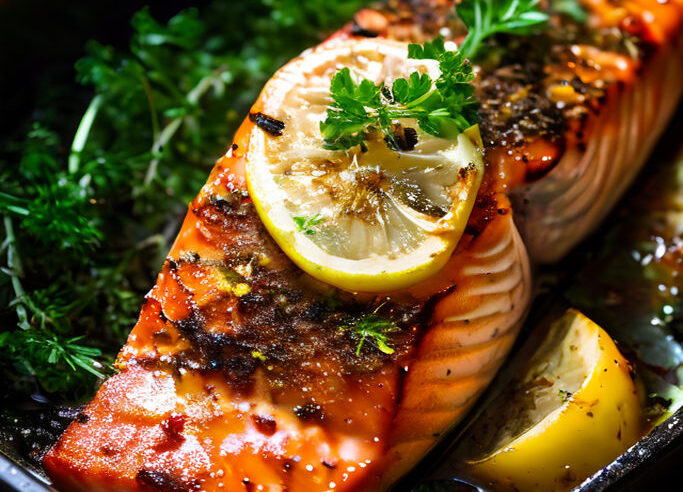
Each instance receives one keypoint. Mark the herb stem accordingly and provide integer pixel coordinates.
(159, 143)
(152, 106)
(172, 127)
(15, 270)
(198, 91)
(81, 136)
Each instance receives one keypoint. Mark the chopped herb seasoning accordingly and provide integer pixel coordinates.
(375, 329)
(307, 224)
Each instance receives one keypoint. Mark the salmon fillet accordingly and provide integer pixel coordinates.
(239, 374)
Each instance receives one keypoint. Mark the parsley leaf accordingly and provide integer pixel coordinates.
(571, 8)
(347, 117)
(484, 18)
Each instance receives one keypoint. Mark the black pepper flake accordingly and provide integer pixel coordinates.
(402, 138)
(163, 481)
(234, 147)
(410, 135)
(267, 123)
(82, 418)
(328, 464)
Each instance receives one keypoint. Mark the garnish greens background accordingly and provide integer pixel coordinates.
(89, 208)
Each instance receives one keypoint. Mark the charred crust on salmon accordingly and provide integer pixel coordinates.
(309, 412)
(283, 325)
(514, 107)
(267, 123)
(173, 428)
(164, 482)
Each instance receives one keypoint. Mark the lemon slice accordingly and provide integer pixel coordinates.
(572, 411)
(372, 219)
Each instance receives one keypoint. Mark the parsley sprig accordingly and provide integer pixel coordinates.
(484, 18)
(443, 107)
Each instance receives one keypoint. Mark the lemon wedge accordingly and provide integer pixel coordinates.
(569, 413)
(372, 219)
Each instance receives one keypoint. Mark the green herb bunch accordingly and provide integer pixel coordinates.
(88, 213)
(443, 107)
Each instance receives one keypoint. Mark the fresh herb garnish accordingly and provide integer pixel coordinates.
(307, 224)
(374, 328)
(443, 107)
(565, 396)
(484, 18)
(571, 8)
(87, 219)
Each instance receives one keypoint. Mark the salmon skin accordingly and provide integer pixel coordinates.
(239, 374)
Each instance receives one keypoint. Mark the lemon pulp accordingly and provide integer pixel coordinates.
(365, 219)
(572, 410)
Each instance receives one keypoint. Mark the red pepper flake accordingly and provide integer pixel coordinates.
(265, 424)
(173, 427)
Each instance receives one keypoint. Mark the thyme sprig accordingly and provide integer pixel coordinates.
(374, 329)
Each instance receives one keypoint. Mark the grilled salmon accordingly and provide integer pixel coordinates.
(569, 116)
(241, 372)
